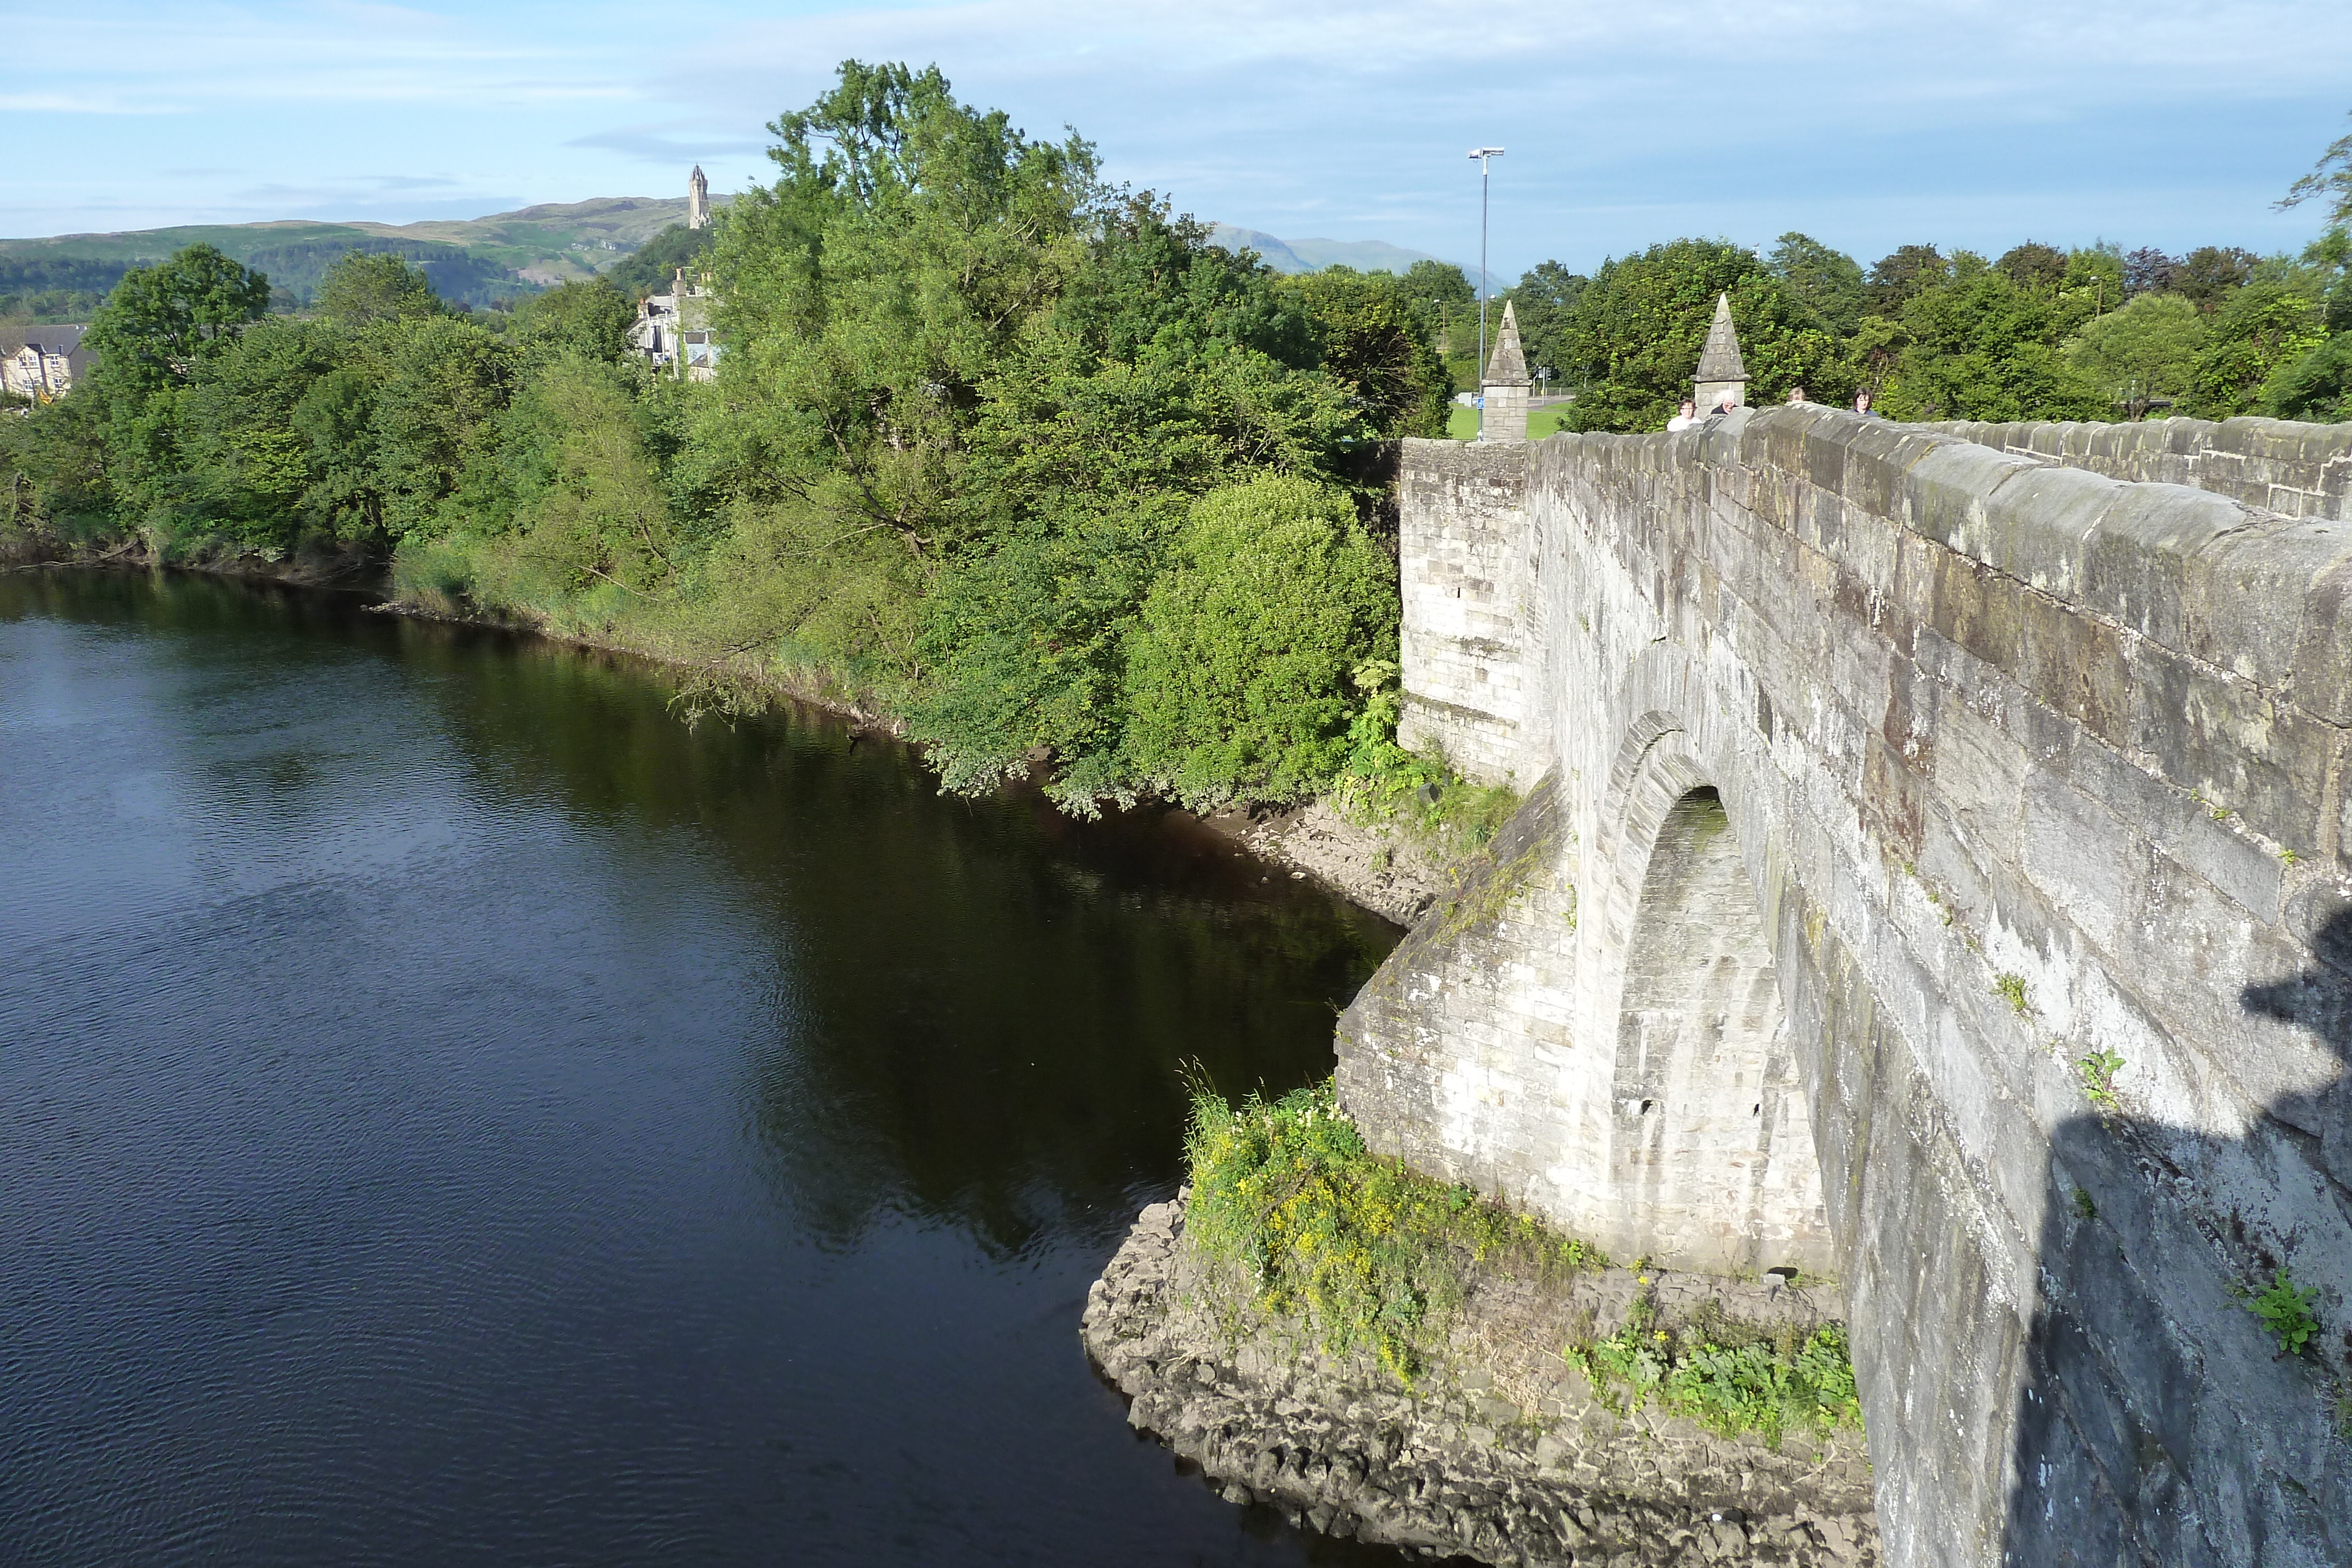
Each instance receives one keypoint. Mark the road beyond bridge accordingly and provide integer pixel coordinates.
(1936, 873)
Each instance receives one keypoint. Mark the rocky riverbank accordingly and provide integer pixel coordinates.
(1501, 1453)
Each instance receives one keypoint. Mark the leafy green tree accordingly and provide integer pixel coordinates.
(2264, 327)
(2034, 267)
(251, 470)
(2329, 182)
(156, 330)
(1238, 674)
(1909, 271)
(1979, 347)
(877, 283)
(1543, 300)
(162, 321)
(2146, 351)
(2208, 275)
(2316, 387)
(2093, 283)
(588, 318)
(364, 287)
(1378, 348)
(1634, 340)
(1827, 283)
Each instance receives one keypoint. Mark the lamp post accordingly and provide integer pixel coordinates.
(1486, 155)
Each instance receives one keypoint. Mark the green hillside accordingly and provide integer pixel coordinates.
(474, 262)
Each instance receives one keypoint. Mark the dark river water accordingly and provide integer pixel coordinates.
(450, 1113)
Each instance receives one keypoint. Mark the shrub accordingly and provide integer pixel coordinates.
(1730, 1377)
(1237, 677)
(2286, 1312)
(1369, 1253)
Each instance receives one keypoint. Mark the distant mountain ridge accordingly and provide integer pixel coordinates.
(478, 261)
(472, 261)
(1314, 255)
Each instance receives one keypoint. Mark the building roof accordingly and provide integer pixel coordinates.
(1507, 366)
(55, 337)
(1719, 360)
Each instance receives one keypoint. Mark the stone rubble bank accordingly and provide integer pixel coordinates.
(1501, 1454)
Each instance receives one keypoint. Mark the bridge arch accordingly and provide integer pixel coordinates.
(1710, 1161)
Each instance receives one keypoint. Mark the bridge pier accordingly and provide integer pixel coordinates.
(1881, 780)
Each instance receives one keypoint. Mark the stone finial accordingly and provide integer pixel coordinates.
(1508, 365)
(1720, 368)
(1504, 387)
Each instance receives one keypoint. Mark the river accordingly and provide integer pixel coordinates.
(452, 1114)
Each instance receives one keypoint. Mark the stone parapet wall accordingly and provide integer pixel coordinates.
(2296, 470)
(2024, 764)
(1462, 554)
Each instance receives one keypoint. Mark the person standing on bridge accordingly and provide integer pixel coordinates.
(1861, 403)
(1796, 394)
(1686, 417)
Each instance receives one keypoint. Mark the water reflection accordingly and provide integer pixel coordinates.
(458, 1116)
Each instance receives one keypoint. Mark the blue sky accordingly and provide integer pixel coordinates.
(1864, 123)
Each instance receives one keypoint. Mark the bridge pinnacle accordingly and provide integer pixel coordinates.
(1504, 386)
(1720, 368)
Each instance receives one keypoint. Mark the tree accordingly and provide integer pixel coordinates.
(2329, 182)
(1634, 339)
(1543, 300)
(2316, 387)
(1979, 347)
(2263, 327)
(2144, 351)
(868, 293)
(1238, 673)
(2147, 270)
(364, 287)
(2206, 276)
(2034, 267)
(1828, 282)
(162, 321)
(590, 319)
(1378, 348)
(1894, 279)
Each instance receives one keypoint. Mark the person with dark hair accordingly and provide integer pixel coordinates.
(1861, 403)
(1684, 417)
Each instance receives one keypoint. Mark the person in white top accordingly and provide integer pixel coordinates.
(1686, 418)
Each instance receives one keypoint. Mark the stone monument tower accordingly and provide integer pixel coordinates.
(697, 200)
(1505, 386)
(1719, 367)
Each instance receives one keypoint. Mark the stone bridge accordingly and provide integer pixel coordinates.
(1878, 777)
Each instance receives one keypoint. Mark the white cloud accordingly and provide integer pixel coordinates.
(1956, 119)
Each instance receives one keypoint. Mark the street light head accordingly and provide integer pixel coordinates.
(1485, 153)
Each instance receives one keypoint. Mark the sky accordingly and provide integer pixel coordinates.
(1867, 125)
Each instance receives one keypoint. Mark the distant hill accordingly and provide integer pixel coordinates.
(476, 261)
(473, 261)
(1314, 255)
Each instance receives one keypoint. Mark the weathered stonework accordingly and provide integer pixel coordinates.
(2296, 470)
(2018, 763)
(1462, 560)
(1501, 1454)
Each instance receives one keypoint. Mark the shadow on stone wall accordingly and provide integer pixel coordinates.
(2158, 1422)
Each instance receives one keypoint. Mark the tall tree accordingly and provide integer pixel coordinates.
(162, 321)
(1828, 282)
(2329, 183)
(364, 289)
(1543, 300)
